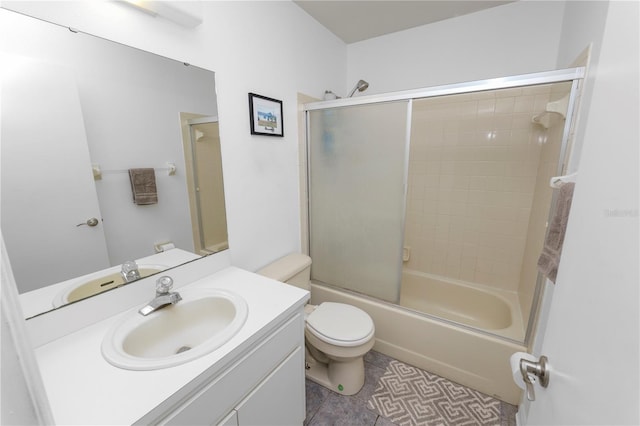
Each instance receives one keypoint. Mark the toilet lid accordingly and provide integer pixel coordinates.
(340, 324)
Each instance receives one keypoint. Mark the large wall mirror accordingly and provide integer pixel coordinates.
(78, 113)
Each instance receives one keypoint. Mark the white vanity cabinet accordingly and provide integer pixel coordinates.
(262, 386)
(276, 400)
(256, 378)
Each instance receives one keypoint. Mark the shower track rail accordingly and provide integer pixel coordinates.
(544, 77)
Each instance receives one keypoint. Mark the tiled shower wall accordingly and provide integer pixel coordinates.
(473, 168)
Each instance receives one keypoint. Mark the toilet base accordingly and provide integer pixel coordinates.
(343, 377)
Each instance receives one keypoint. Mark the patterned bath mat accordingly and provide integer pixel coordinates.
(407, 395)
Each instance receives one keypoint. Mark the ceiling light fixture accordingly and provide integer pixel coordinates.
(185, 14)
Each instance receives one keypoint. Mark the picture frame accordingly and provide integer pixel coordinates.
(265, 116)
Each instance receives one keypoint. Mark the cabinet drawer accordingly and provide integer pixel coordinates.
(225, 391)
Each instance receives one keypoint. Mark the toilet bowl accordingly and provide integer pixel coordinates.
(337, 335)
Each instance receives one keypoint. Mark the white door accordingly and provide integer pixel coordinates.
(47, 181)
(592, 334)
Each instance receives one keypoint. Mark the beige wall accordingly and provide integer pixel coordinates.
(472, 179)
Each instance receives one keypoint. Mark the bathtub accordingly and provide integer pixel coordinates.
(464, 303)
(475, 358)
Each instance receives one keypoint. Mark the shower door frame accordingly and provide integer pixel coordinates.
(405, 185)
(544, 77)
(197, 223)
(574, 75)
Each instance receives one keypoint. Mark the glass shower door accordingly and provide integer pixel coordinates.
(357, 172)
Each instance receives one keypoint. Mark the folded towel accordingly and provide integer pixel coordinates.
(552, 249)
(143, 186)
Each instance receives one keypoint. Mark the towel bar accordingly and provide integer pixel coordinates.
(558, 181)
(98, 172)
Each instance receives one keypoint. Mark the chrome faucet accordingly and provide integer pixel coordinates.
(130, 271)
(163, 298)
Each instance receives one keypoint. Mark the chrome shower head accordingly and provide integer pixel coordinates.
(361, 86)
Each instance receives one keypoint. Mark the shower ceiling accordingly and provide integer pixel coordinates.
(359, 20)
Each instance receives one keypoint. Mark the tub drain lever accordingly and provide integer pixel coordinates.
(533, 372)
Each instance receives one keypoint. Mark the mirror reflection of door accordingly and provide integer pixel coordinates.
(201, 142)
(48, 191)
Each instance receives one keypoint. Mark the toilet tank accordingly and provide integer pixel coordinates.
(294, 269)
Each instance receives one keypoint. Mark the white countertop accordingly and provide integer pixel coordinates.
(85, 389)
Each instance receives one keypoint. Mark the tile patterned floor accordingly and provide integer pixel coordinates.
(395, 393)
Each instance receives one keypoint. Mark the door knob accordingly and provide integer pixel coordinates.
(532, 372)
(90, 222)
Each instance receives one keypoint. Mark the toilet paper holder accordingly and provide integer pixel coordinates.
(534, 371)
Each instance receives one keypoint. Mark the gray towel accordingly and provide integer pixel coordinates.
(552, 249)
(143, 186)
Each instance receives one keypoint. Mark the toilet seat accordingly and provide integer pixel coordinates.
(340, 324)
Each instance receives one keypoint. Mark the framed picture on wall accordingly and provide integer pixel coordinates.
(265, 116)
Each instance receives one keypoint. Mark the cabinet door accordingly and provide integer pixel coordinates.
(279, 399)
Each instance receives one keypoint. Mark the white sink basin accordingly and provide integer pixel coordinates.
(201, 322)
(98, 282)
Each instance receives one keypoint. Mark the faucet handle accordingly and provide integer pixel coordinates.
(164, 284)
(129, 265)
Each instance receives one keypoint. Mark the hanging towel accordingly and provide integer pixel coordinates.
(552, 249)
(143, 186)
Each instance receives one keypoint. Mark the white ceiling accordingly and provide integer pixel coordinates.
(357, 20)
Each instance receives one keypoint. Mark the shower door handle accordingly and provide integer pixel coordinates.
(534, 372)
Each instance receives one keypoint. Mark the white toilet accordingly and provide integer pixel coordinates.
(337, 335)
